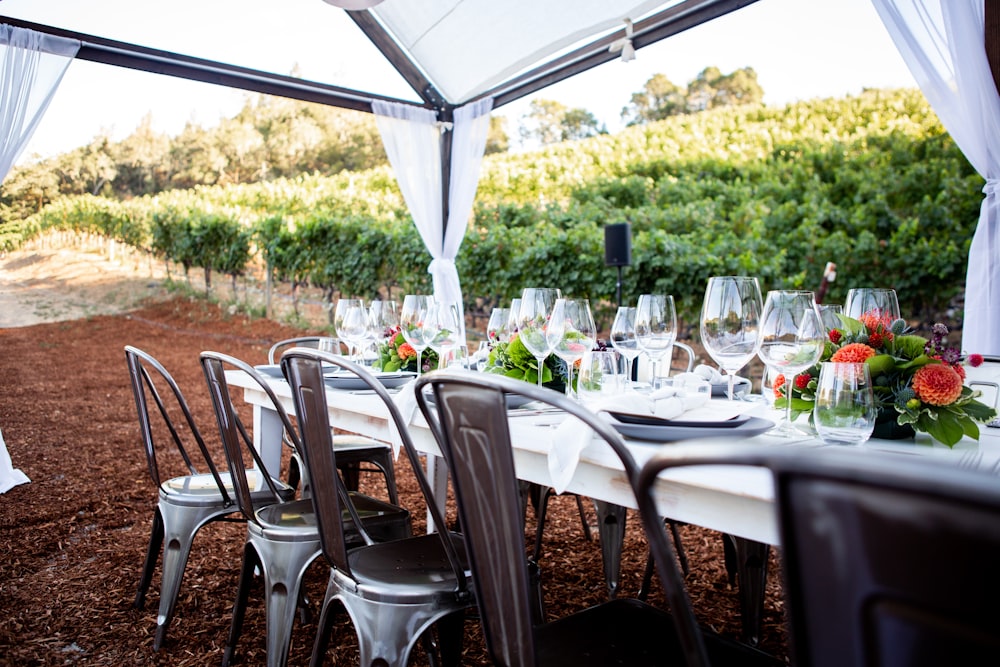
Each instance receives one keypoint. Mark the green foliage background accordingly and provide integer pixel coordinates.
(871, 182)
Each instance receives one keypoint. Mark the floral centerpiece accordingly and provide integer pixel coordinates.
(918, 383)
(395, 354)
(513, 359)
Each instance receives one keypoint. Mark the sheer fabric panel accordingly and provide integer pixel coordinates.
(31, 66)
(943, 44)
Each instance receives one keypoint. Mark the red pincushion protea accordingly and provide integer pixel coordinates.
(976, 360)
(937, 384)
(802, 381)
(835, 336)
(855, 353)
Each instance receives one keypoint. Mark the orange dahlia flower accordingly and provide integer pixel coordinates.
(937, 384)
(854, 353)
(406, 351)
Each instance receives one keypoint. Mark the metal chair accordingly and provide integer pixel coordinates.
(473, 434)
(186, 502)
(282, 537)
(355, 453)
(888, 559)
(394, 592)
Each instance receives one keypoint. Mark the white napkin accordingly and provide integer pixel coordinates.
(684, 398)
(712, 375)
(9, 475)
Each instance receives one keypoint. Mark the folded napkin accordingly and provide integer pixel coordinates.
(686, 397)
(9, 475)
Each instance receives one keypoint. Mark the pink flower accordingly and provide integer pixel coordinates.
(975, 360)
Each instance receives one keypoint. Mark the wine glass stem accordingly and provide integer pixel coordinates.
(628, 372)
(569, 379)
(541, 367)
(419, 364)
(732, 382)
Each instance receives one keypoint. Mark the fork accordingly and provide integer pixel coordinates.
(970, 459)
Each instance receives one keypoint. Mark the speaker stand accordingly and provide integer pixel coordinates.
(618, 290)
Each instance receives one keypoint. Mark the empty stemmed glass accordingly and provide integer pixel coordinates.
(624, 340)
(533, 320)
(383, 318)
(730, 321)
(515, 311)
(570, 333)
(655, 329)
(497, 327)
(792, 337)
(350, 319)
(443, 329)
(876, 301)
(411, 324)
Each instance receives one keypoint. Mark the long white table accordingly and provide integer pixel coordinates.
(736, 501)
(733, 500)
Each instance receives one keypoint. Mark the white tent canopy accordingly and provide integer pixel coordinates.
(454, 52)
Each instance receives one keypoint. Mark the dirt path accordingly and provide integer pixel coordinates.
(41, 285)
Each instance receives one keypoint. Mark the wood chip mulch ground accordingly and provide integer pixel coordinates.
(73, 540)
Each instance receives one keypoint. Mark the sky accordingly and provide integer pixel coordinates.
(800, 49)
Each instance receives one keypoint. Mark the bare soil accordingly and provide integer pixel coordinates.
(73, 540)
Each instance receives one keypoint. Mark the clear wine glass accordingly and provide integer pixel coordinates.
(792, 337)
(515, 311)
(730, 322)
(411, 324)
(350, 319)
(443, 329)
(624, 340)
(876, 301)
(496, 327)
(532, 321)
(570, 333)
(383, 318)
(655, 329)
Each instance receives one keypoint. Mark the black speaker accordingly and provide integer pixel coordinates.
(618, 244)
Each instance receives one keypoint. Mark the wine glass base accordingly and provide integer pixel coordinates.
(787, 429)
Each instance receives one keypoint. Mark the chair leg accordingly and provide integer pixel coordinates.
(541, 510)
(250, 563)
(179, 528)
(583, 517)
(751, 568)
(647, 576)
(451, 636)
(399, 626)
(152, 554)
(322, 641)
(284, 564)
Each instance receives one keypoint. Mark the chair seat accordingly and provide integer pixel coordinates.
(201, 490)
(618, 633)
(406, 570)
(297, 520)
(346, 443)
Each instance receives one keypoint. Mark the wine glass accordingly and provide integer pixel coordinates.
(876, 301)
(350, 319)
(730, 321)
(515, 310)
(828, 314)
(496, 328)
(383, 318)
(411, 323)
(570, 333)
(655, 329)
(443, 329)
(532, 321)
(623, 339)
(792, 337)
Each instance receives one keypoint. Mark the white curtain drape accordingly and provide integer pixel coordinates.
(943, 44)
(412, 138)
(31, 66)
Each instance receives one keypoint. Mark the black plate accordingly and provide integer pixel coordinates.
(657, 433)
(339, 379)
(645, 420)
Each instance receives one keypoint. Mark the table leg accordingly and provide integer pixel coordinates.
(437, 477)
(267, 433)
(751, 571)
(611, 529)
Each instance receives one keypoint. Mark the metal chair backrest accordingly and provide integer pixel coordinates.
(274, 353)
(146, 374)
(474, 437)
(888, 559)
(303, 368)
(235, 438)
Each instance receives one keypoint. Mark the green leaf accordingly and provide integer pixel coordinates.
(978, 411)
(945, 429)
(910, 347)
(880, 364)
